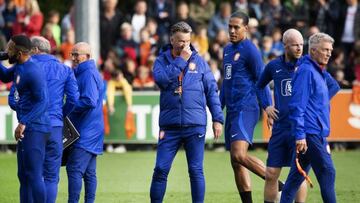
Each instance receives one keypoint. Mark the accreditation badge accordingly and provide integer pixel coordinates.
(236, 56)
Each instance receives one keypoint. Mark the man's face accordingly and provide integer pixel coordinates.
(179, 41)
(322, 53)
(237, 30)
(12, 52)
(294, 47)
(78, 56)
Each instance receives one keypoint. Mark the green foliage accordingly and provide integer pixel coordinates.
(127, 177)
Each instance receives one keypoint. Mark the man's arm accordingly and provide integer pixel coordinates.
(332, 84)
(262, 89)
(11, 98)
(89, 94)
(72, 93)
(6, 74)
(166, 74)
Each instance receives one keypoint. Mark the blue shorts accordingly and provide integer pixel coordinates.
(240, 126)
(281, 148)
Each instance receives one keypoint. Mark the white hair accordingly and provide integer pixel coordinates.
(318, 38)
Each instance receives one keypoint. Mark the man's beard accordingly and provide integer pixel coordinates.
(13, 59)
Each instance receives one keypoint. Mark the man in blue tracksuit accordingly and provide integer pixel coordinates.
(281, 145)
(60, 81)
(242, 68)
(88, 119)
(309, 110)
(31, 99)
(187, 87)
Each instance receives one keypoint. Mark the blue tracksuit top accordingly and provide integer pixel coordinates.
(281, 72)
(242, 68)
(199, 91)
(60, 80)
(309, 106)
(30, 94)
(87, 115)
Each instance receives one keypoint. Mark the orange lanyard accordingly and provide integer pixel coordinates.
(302, 172)
(179, 89)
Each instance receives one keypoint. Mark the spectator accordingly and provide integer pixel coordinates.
(202, 11)
(118, 82)
(253, 29)
(163, 11)
(182, 14)
(67, 23)
(214, 67)
(151, 26)
(200, 40)
(47, 33)
(298, 11)
(145, 46)
(138, 20)
(337, 62)
(9, 16)
(274, 16)
(327, 17)
(256, 9)
(266, 48)
(241, 5)
(277, 46)
(220, 20)
(53, 20)
(66, 47)
(29, 21)
(126, 47)
(110, 21)
(129, 70)
(144, 80)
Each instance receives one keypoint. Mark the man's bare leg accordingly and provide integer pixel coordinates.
(271, 184)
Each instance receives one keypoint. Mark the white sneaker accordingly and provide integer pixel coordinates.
(110, 148)
(120, 149)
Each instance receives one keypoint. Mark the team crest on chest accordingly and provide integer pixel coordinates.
(18, 79)
(236, 56)
(192, 67)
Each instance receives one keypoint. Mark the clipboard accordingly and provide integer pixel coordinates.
(70, 135)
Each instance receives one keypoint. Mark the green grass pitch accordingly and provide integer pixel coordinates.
(126, 178)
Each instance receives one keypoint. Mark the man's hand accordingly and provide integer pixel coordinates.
(272, 112)
(186, 53)
(217, 129)
(161, 134)
(270, 123)
(19, 132)
(301, 146)
(111, 110)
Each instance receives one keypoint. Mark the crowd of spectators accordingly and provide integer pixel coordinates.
(131, 39)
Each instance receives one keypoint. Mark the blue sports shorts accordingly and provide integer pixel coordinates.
(240, 126)
(281, 148)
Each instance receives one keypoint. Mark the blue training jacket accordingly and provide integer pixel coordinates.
(281, 72)
(242, 68)
(30, 94)
(199, 91)
(309, 106)
(87, 115)
(60, 80)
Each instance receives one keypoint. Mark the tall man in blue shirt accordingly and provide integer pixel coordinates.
(31, 99)
(242, 68)
(309, 114)
(187, 86)
(281, 145)
(87, 118)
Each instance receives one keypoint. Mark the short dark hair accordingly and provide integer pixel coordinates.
(22, 43)
(241, 15)
(180, 27)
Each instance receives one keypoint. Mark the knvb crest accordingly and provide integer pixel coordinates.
(286, 87)
(227, 68)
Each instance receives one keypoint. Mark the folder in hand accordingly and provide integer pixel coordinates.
(70, 134)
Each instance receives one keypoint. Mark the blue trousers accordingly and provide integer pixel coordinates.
(30, 158)
(54, 148)
(81, 165)
(318, 157)
(193, 142)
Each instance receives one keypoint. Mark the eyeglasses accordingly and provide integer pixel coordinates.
(77, 54)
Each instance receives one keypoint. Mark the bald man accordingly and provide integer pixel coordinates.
(281, 144)
(87, 118)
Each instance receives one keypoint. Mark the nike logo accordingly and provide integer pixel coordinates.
(234, 135)
(202, 135)
(278, 70)
(226, 54)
